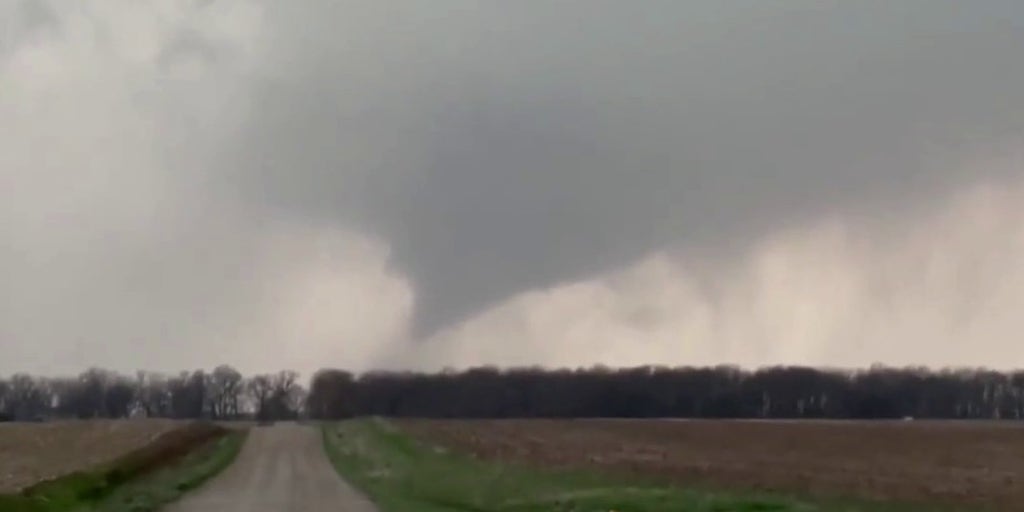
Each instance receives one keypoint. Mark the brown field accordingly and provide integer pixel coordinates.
(979, 464)
(32, 452)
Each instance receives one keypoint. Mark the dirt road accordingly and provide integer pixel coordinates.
(281, 469)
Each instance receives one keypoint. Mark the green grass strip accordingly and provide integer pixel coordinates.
(115, 488)
(404, 475)
(168, 484)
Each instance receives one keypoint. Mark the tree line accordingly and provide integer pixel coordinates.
(660, 392)
(486, 392)
(221, 394)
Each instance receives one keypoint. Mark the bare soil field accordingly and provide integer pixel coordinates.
(972, 464)
(33, 452)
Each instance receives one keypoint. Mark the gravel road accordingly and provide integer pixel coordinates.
(281, 468)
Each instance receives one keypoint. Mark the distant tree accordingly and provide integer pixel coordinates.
(260, 388)
(153, 395)
(28, 398)
(717, 392)
(286, 395)
(188, 395)
(119, 397)
(332, 395)
(225, 390)
(5, 408)
(89, 395)
(1016, 394)
(488, 392)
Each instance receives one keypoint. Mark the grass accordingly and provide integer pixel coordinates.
(168, 484)
(139, 481)
(404, 475)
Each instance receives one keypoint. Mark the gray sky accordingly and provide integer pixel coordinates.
(419, 184)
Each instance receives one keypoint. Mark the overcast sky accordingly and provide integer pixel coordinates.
(419, 184)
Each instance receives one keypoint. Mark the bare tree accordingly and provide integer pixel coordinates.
(260, 389)
(5, 412)
(152, 396)
(28, 397)
(287, 395)
(189, 395)
(276, 396)
(225, 387)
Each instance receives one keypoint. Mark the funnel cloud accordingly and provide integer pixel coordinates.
(361, 185)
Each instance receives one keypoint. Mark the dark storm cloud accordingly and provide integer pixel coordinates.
(287, 184)
(188, 45)
(24, 19)
(500, 147)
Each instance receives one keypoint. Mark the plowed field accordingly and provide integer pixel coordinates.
(32, 452)
(978, 464)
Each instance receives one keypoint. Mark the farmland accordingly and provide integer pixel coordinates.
(974, 465)
(32, 452)
(402, 474)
